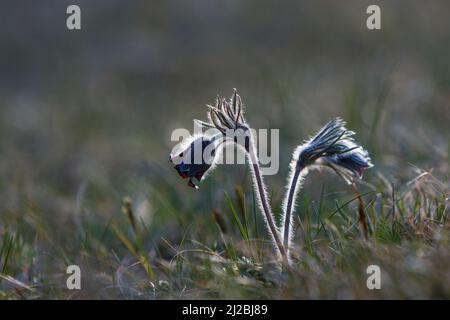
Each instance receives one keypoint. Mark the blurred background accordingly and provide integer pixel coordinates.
(86, 116)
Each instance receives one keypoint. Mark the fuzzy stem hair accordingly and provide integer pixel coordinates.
(295, 181)
(263, 199)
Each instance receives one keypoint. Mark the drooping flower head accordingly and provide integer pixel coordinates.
(195, 159)
(333, 146)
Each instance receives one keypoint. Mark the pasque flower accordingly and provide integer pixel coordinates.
(196, 159)
(349, 164)
(334, 147)
(228, 118)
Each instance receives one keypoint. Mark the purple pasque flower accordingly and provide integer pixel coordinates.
(349, 164)
(194, 161)
(333, 146)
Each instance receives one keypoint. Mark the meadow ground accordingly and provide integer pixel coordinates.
(85, 125)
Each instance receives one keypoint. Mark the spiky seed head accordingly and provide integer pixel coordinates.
(227, 115)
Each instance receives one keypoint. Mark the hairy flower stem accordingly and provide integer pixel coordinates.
(287, 218)
(259, 182)
(289, 204)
